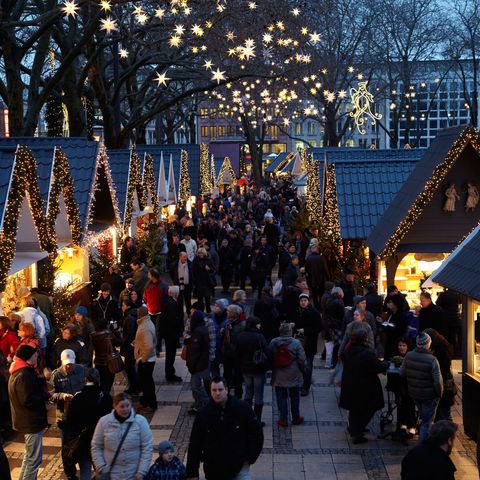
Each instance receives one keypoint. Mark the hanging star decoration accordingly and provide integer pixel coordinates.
(162, 79)
(218, 75)
(362, 101)
(70, 8)
(108, 24)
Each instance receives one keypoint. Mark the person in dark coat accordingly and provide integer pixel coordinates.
(449, 301)
(267, 310)
(115, 280)
(182, 275)
(290, 299)
(361, 393)
(443, 352)
(69, 339)
(431, 459)
(227, 264)
(226, 436)
(198, 345)
(127, 253)
(245, 261)
(308, 325)
(332, 326)
(263, 262)
(84, 411)
(395, 326)
(316, 269)
(171, 329)
(174, 249)
(203, 272)
(431, 315)
(249, 343)
(28, 396)
(129, 330)
(105, 307)
(348, 286)
(374, 301)
(291, 273)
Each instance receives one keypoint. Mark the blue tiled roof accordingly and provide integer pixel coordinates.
(218, 161)
(412, 187)
(193, 161)
(275, 162)
(120, 166)
(461, 270)
(7, 160)
(82, 159)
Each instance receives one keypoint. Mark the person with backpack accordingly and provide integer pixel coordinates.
(252, 352)
(288, 363)
(231, 364)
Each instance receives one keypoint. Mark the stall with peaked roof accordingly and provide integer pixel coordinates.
(293, 166)
(226, 176)
(430, 214)
(279, 162)
(460, 272)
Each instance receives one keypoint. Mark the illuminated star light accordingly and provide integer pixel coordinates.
(160, 12)
(208, 65)
(218, 75)
(296, 12)
(314, 37)
(70, 8)
(286, 122)
(123, 53)
(267, 38)
(175, 41)
(108, 24)
(105, 5)
(252, 5)
(197, 30)
(230, 36)
(138, 10)
(179, 29)
(162, 78)
(142, 18)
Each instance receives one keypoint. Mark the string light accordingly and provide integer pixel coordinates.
(134, 186)
(213, 176)
(205, 183)
(149, 186)
(184, 191)
(226, 169)
(312, 193)
(331, 215)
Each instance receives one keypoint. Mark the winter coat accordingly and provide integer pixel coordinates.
(140, 278)
(245, 260)
(230, 336)
(374, 303)
(369, 318)
(9, 342)
(75, 344)
(400, 320)
(66, 383)
(316, 270)
(423, 375)
(361, 387)
(290, 276)
(105, 309)
(267, 309)
(290, 376)
(433, 317)
(227, 260)
(103, 344)
(309, 319)
(129, 330)
(174, 272)
(202, 277)
(289, 303)
(171, 318)
(27, 395)
(348, 329)
(154, 296)
(332, 323)
(248, 342)
(30, 315)
(220, 322)
(348, 292)
(198, 349)
(145, 340)
(449, 301)
(136, 453)
(224, 439)
(427, 462)
(175, 470)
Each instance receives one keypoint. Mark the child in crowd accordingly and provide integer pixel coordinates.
(167, 466)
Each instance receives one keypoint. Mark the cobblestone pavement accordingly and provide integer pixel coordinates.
(320, 449)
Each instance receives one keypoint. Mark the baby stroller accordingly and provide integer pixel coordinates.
(392, 386)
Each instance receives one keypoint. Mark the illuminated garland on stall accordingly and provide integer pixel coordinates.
(24, 184)
(243, 163)
(149, 185)
(213, 176)
(205, 183)
(184, 191)
(331, 215)
(62, 183)
(303, 164)
(134, 186)
(314, 204)
(226, 167)
(469, 135)
(101, 165)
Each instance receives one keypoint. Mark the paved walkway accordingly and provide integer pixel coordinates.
(320, 449)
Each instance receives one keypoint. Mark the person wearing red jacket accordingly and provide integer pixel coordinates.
(9, 340)
(153, 297)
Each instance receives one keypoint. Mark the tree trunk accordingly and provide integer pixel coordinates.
(73, 102)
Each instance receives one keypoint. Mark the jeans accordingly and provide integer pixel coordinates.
(244, 473)
(254, 384)
(282, 394)
(199, 383)
(426, 412)
(33, 456)
(85, 469)
(145, 376)
(307, 374)
(329, 346)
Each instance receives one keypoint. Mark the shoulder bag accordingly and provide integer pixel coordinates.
(106, 475)
(114, 360)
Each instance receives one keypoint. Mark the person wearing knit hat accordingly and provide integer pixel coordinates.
(28, 397)
(289, 362)
(424, 380)
(81, 310)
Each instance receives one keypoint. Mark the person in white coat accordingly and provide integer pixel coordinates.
(135, 453)
(29, 314)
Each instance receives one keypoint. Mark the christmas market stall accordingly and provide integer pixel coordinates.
(460, 272)
(295, 165)
(359, 185)
(226, 176)
(278, 162)
(433, 210)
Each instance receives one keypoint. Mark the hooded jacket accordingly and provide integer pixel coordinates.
(27, 398)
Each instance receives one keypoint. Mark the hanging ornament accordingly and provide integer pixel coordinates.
(362, 101)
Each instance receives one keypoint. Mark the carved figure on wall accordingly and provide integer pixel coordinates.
(472, 197)
(452, 197)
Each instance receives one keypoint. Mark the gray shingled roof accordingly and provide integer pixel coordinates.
(367, 181)
(412, 187)
(176, 149)
(82, 159)
(461, 270)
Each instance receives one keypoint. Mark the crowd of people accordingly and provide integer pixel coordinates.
(228, 344)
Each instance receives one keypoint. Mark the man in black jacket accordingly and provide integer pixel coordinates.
(431, 460)
(28, 395)
(226, 436)
(431, 315)
(316, 269)
(181, 275)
